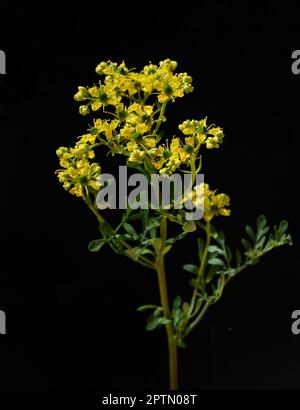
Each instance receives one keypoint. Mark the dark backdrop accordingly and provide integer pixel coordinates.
(71, 319)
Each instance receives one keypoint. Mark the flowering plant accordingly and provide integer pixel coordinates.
(132, 107)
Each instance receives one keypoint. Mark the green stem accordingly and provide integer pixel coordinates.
(146, 95)
(201, 270)
(172, 347)
(193, 171)
(99, 217)
(161, 116)
(197, 320)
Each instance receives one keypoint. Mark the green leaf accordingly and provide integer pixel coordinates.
(96, 245)
(167, 249)
(214, 248)
(137, 216)
(152, 223)
(179, 342)
(130, 229)
(158, 312)
(145, 219)
(177, 317)
(238, 258)
(250, 233)
(153, 233)
(191, 268)
(261, 222)
(221, 238)
(145, 307)
(216, 261)
(153, 324)
(170, 241)
(283, 227)
(246, 244)
(156, 322)
(189, 226)
(211, 273)
(260, 243)
(133, 253)
(193, 283)
(228, 254)
(105, 229)
(156, 243)
(185, 308)
(146, 251)
(262, 232)
(176, 303)
(125, 236)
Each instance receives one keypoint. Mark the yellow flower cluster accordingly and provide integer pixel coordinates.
(133, 105)
(215, 204)
(121, 82)
(78, 175)
(211, 135)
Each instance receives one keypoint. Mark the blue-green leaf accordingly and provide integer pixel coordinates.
(145, 307)
(246, 244)
(96, 245)
(216, 261)
(250, 233)
(261, 222)
(130, 229)
(191, 268)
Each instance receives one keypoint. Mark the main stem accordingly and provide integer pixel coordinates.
(172, 347)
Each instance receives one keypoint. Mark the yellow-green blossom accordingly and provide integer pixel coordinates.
(215, 204)
(211, 135)
(80, 177)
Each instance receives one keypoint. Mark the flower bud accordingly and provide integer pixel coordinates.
(84, 109)
(81, 95)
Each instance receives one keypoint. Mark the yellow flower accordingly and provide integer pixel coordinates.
(158, 163)
(127, 131)
(132, 146)
(189, 141)
(109, 127)
(175, 145)
(88, 138)
(215, 137)
(212, 136)
(81, 177)
(150, 142)
(176, 155)
(106, 68)
(142, 128)
(137, 156)
(215, 204)
(81, 95)
(133, 99)
(84, 109)
(94, 91)
(96, 105)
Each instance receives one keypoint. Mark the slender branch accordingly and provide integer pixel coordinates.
(197, 320)
(99, 217)
(161, 116)
(172, 347)
(142, 260)
(201, 271)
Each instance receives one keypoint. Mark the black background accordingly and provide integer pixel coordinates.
(71, 319)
